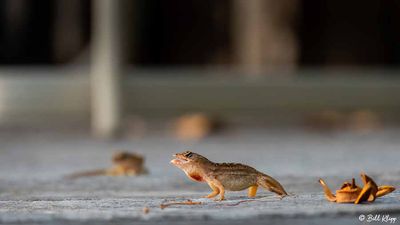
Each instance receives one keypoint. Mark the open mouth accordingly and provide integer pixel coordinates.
(178, 160)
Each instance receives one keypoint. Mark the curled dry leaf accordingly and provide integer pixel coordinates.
(351, 193)
(196, 126)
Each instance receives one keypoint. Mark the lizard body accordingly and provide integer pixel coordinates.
(225, 176)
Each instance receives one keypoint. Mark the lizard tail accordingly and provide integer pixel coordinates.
(271, 184)
(86, 174)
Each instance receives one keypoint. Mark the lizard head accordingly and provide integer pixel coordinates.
(188, 159)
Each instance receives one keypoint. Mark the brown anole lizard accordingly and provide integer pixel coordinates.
(225, 176)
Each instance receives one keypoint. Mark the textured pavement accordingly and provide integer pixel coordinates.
(32, 190)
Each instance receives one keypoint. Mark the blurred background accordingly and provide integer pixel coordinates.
(131, 67)
(298, 89)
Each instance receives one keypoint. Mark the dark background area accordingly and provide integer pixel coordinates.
(179, 32)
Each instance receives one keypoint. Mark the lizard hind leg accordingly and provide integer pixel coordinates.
(252, 191)
(271, 184)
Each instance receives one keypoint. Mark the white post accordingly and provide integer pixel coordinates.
(106, 68)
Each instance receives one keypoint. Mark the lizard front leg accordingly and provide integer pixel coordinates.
(220, 188)
(252, 191)
(215, 191)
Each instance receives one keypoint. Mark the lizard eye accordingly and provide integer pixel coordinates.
(189, 154)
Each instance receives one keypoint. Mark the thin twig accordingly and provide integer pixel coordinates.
(251, 200)
(239, 202)
(188, 202)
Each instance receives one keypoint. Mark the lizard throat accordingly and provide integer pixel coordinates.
(195, 177)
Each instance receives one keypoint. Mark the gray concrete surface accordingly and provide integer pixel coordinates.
(32, 190)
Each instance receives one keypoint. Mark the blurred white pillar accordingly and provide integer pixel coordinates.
(264, 38)
(106, 68)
